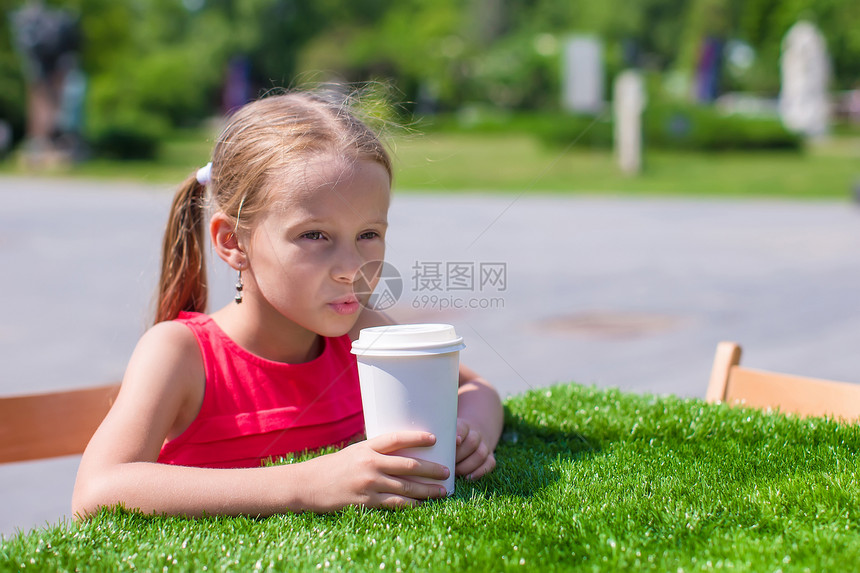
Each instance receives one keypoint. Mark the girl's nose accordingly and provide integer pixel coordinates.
(348, 266)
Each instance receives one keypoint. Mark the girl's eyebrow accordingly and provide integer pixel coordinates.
(320, 221)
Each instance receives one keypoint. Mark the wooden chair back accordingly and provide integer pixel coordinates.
(734, 384)
(38, 426)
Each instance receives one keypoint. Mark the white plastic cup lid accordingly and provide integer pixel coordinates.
(407, 340)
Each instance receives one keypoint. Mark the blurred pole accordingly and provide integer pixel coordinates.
(628, 102)
(582, 75)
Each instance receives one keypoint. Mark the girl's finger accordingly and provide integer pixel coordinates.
(393, 501)
(397, 502)
(388, 443)
(469, 466)
(415, 467)
(488, 466)
(413, 490)
(474, 462)
(470, 444)
(462, 430)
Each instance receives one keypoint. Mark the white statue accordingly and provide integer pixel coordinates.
(804, 101)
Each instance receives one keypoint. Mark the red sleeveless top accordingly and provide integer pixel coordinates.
(255, 408)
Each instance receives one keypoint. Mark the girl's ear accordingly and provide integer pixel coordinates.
(226, 241)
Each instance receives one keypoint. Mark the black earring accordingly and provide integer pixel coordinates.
(239, 287)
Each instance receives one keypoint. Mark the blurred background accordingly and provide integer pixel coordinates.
(108, 81)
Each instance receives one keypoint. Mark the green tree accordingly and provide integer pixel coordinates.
(12, 87)
(162, 62)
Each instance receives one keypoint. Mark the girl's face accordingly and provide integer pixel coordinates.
(305, 253)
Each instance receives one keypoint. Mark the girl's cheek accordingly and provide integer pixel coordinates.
(376, 248)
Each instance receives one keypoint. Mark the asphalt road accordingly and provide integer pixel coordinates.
(616, 292)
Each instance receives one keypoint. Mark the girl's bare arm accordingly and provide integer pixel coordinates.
(479, 424)
(160, 396)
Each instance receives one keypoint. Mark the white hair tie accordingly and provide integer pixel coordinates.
(204, 174)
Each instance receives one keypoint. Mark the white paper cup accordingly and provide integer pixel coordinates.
(409, 376)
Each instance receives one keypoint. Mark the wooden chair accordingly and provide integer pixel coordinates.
(38, 426)
(734, 384)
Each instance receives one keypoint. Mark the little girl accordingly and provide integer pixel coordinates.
(299, 191)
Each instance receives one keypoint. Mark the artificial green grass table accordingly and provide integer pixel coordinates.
(587, 479)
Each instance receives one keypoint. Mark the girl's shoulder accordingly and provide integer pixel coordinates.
(171, 337)
(167, 356)
(162, 389)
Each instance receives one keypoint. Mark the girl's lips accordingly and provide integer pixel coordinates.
(345, 306)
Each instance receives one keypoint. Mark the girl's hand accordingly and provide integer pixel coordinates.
(370, 473)
(474, 458)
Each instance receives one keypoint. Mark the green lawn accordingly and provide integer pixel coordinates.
(519, 163)
(516, 163)
(587, 479)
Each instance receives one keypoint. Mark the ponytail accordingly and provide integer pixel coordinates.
(182, 286)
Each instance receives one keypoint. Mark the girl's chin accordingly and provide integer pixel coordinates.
(337, 328)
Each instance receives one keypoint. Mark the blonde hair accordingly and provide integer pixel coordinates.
(274, 135)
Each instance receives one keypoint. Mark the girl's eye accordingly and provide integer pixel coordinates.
(369, 235)
(313, 235)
